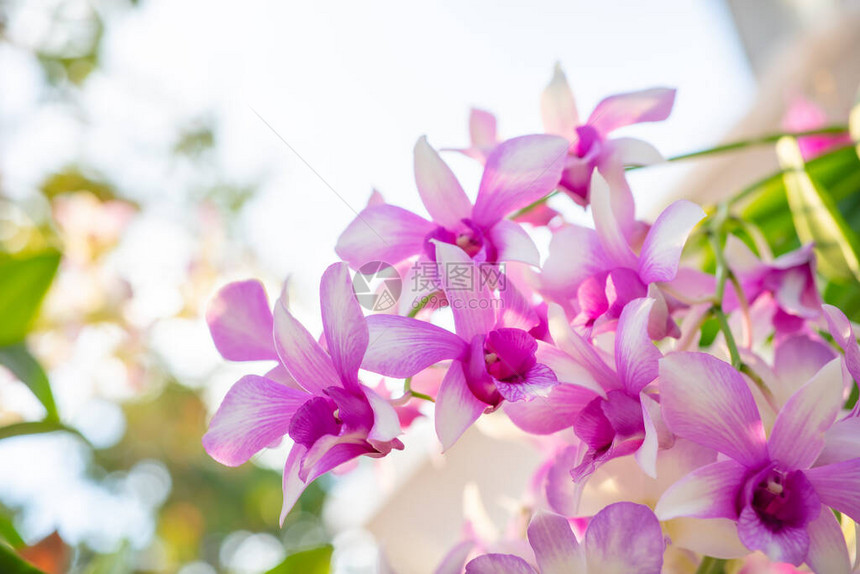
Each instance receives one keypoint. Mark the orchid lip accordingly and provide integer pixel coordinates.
(781, 498)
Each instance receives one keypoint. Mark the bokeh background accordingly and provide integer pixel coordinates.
(153, 150)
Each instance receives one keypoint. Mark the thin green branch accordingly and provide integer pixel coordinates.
(763, 140)
(421, 304)
(716, 236)
(729, 147)
(37, 427)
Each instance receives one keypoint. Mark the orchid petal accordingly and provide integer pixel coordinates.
(499, 564)
(386, 424)
(575, 253)
(632, 151)
(292, 486)
(799, 431)
(578, 348)
(383, 233)
(255, 413)
(513, 243)
(517, 312)
(240, 321)
(796, 360)
(518, 172)
(624, 537)
(741, 260)
(646, 455)
(636, 357)
(841, 330)
(470, 303)
(608, 227)
(331, 451)
(788, 544)
(558, 107)
(280, 375)
(842, 442)
(300, 353)
(567, 369)
(482, 129)
(836, 485)
(708, 492)
(555, 412)
(708, 402)
(456, 407)
(401, 347)
(827, 549)
(440, 191)
(562, 493)
(555, 546)
(621, 110)
(343, 323)
(661, 251)
(455, 560)
(537, 382)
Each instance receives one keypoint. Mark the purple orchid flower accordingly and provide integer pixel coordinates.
(483, 135)
(314, 396)
(595, 273)
(623, 537)
(518, 172)
(790, 279)
(803, 115)
(590, 147)
(494, 357)
(843, 333)
(776, 490)
(622, 422)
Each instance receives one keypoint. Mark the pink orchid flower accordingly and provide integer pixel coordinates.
(320, 404)
(590, 147)
(774, 489)
(594, 273)
(608, 408)
(804, 114)
(494, 354)
(518, 172)
(623, 537)
(790, 279)
(483, 139)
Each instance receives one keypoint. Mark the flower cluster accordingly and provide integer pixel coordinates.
(720, 447)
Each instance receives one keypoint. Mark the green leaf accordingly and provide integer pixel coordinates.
(24, 366)
(11, 563)
(23, 284)
(314, 561)
(9, 533)
(816, 218)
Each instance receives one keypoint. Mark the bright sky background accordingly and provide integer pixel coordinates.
(351, 86)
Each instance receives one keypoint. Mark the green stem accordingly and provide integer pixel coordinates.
(710, 565)
(36, 427)
(715, 234)
(407, 391)
(533, 204)
(734, 146)
(422, 396)
(763, 140)
(423, 303)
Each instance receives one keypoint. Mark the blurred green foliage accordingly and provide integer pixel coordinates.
(24, 281)
(835, 176)
(314, 561)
